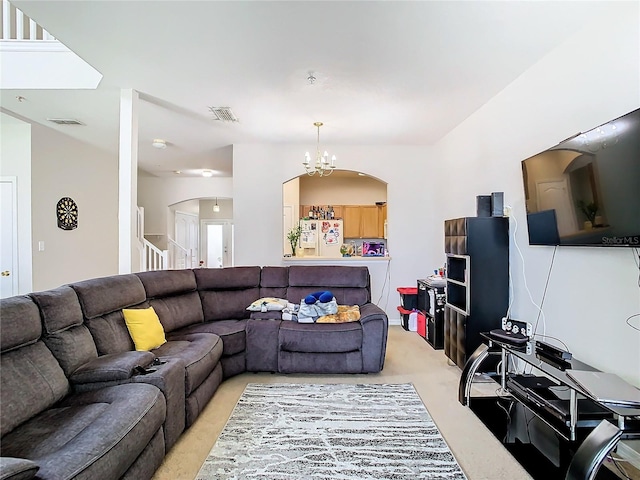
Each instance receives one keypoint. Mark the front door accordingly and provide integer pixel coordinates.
(217, 243)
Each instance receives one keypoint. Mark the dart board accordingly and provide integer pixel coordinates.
(67, 214)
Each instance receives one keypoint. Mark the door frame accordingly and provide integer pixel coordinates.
(194, 256)
(227, 233)
(15, 259)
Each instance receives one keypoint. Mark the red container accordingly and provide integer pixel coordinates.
(422, 325)
(408, 297)
(404, 313)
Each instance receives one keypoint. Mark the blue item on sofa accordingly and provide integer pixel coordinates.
(323, 297)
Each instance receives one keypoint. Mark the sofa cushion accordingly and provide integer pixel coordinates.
(124, 291)
(179, 310)
(59, 308)
(232, 278)
(325, 337)
(17, 468)
(72, 347)
(226, 292)
(20, 323)
(350, 285)
(96, 434)
(103, 313)
(200, 353)
(232, 333)
(65, 334)
(274, 282)
(144, 327)
(163, 283)
(31, 382)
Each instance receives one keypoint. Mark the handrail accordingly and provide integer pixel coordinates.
(153, 258)
(179, 257)
(175, 244)
(18, 26)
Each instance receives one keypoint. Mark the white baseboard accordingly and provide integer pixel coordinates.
(395, 321)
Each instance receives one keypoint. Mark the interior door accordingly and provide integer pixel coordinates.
(554, 195)
(8, 237)
(187, 236)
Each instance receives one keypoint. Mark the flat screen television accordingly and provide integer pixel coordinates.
(585, 191)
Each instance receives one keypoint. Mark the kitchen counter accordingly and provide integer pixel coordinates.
(314, 258)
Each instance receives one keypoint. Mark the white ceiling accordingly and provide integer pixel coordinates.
(387, 72)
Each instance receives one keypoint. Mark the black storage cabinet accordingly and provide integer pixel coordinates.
(477, 279)
(431, 301)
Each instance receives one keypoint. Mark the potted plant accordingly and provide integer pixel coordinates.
(590, 210)
(293, 236)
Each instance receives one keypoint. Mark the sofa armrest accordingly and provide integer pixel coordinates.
(375, 325)
(112, 367)
(17, 468)
(370, 311)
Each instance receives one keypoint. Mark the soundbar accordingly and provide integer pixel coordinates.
(552, 352)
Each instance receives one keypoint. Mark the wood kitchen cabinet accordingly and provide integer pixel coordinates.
(360, 221)
(364, 221)
(352, 221)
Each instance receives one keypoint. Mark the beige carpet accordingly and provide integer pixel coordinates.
(409, 360)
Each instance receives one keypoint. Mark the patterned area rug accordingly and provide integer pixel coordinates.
(338, 432)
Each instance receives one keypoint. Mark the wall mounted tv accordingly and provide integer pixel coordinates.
(585, 191)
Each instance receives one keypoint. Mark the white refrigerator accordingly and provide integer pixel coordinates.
(322, 238)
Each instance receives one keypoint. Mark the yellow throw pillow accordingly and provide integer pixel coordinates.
(144, 327)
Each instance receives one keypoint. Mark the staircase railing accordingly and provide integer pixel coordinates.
(153, 258)
(18, 26)
(179, 257)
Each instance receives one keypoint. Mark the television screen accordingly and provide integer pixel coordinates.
(585, 191)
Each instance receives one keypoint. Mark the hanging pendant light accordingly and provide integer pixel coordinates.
(322, 165)
(216, 207)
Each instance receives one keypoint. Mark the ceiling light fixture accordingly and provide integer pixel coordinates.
(159, 143)
(322, 166)
(216, 207)
(207, 173)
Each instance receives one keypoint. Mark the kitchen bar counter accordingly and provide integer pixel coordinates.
(341, 260)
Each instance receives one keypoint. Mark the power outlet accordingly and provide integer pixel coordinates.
(506, 211)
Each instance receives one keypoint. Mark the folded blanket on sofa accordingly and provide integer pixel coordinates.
(318, 309)
(346, 313)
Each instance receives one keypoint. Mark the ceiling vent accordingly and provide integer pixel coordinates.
(65, 121)
(224, 114)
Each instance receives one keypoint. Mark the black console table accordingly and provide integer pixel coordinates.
(587, 429)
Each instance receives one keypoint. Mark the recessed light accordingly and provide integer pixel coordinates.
(159, 143)
(177, 172)
(207, 173)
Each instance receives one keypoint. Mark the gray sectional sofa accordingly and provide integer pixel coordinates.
(77, 401)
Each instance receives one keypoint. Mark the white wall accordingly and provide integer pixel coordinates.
(593, 78)
(65, 167)
(156, 194)
(15, 152)
(260, 170)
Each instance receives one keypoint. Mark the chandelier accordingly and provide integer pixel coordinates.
(322, 166)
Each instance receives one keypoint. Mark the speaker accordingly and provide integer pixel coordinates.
(497, 204)
(483, 205)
